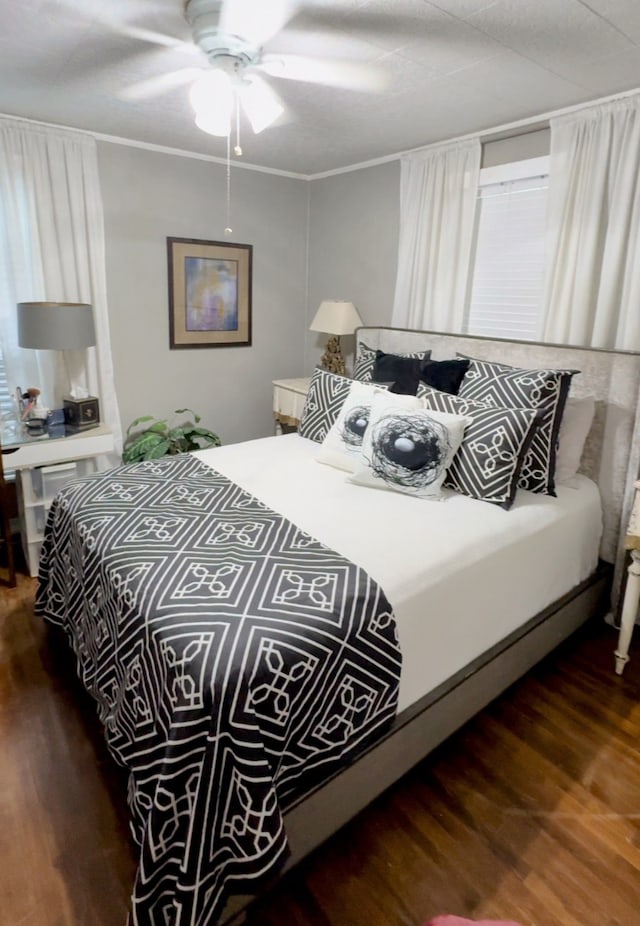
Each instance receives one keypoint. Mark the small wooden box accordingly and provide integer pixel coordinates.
(80, 414)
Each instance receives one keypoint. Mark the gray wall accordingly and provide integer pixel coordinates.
(516, 148)
(333, 237)
(353, 236)
(353, 248)
(149, 196)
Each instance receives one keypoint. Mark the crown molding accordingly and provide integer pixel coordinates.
(519, 127)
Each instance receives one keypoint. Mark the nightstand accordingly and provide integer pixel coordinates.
(632, 591)
(44, 464)
(289, 396)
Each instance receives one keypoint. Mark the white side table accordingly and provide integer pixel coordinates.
(289, 396)
(42, 467)
(632, 592)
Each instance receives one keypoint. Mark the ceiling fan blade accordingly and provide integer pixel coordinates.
(256, 20)
(331, 72)
(154, 86)
(128, 30)
(121, 23)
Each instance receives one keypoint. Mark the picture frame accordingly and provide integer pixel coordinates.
(209, 293)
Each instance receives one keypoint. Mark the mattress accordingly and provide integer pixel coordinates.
(460, 574)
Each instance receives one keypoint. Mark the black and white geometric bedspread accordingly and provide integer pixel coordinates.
(231, 655)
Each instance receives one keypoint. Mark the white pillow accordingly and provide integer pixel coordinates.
(408, 448)
(574, 428)
(343, 443)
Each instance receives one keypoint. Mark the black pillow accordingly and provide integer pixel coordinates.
(445, 375)
(400, 374)
(366, 357)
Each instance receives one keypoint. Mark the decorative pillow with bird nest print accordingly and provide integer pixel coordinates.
(408, 448)
(343, 444)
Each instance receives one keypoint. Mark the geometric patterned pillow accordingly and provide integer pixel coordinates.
(366, 358)
(325, 398)
(500, 385)
(488, 463)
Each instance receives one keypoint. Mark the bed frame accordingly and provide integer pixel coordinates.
(611, 458)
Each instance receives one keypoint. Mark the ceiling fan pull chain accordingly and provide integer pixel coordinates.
(238, 148)
(228, 230)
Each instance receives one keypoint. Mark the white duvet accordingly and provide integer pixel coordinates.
(460, 574)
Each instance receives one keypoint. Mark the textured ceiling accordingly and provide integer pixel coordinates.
(451, 67)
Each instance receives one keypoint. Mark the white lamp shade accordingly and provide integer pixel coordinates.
(55, 325)
(214, 96)
(335, 317)
(212, 99)
(261, 106)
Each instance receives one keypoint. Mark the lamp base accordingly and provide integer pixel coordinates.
(332, 359)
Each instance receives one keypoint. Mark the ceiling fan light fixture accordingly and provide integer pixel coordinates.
(212, 99)
(212, 89)
(214, 123)
(260, 104)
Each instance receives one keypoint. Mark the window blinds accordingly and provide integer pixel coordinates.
(508, 276)
(6, 400)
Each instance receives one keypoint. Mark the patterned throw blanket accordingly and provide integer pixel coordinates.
(235, 661)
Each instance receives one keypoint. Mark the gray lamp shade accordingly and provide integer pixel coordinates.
(55, 325)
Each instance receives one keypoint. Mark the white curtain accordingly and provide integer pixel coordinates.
(438, 192)
(592, 288)
(52, 250)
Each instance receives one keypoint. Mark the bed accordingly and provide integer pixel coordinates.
(531, 575)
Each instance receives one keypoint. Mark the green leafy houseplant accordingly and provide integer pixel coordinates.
(160, 440)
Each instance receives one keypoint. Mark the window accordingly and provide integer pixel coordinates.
(9, 233)
(6, 401)
(508, 274)
(7, 413)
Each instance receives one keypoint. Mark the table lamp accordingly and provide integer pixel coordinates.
(63, 326)
(335, 317)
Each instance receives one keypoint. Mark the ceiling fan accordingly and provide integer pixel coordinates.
(231, 34)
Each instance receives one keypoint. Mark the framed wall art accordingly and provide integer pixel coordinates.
(209, 293)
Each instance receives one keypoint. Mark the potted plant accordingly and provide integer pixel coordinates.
(159, 439)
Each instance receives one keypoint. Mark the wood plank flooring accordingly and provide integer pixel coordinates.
(531, 812)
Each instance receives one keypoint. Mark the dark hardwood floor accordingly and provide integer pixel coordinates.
(531, 812)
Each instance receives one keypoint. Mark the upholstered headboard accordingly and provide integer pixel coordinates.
(612, 451)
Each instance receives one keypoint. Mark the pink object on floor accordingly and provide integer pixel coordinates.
(449, 920)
